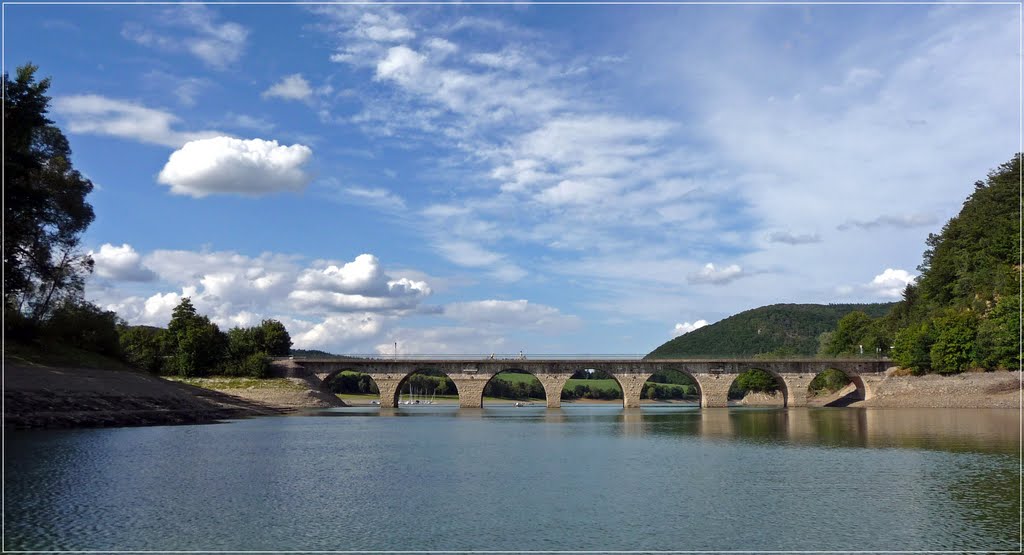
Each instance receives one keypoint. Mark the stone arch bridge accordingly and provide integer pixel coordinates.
(713, 377)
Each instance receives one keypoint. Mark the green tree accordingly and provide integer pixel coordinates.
(274, 339)
(45, 211)
(850, 335)
(143, 347)
(197, 345)
(756, 380)
(998, 342)
(912, 347)
(955, 338)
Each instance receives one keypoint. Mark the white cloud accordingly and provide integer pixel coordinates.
(290, 87)
(472, 255)
(333, 306)
(715, 276)
(402, 64)
(360, 285)
(99, 115)
(376, 197)
(441, 46)
(218, 45)
(334, 331)
(518, 313)
(891, 283)
(687, 327)
(443, 340)
(120, 263)
(234, 166)
(886, 220)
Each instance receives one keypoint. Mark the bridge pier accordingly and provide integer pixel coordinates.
(388, 391)
(632, 385)
(471, 391)
(553, 386)
(714, 389)
(797, 386)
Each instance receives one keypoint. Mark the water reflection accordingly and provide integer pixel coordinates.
(984, 430)
(529, 478)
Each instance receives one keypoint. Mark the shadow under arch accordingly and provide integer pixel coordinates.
(859, 393)
(535, 385)
(780, 384)
(699, 392)
(575, 391)
(427, 392)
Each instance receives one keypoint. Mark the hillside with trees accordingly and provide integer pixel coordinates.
(770, 331)
(963, 311)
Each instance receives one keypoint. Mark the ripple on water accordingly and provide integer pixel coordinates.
(524, 478)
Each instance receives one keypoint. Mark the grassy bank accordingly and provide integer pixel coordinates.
(226, 382)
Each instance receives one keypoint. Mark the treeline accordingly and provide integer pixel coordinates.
(193, 346)
(963, 311)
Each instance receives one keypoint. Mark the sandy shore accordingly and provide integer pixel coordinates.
(38, 396)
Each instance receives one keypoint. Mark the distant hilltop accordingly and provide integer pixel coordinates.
(773, 330)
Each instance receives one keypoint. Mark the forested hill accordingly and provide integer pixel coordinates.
(778, 329)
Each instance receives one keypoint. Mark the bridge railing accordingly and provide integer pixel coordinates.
(482, 356)
(570, 356)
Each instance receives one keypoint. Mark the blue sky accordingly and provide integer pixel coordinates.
(552, 179)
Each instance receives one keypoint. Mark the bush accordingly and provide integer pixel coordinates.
(256, 365)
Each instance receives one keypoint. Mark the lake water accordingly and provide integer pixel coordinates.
(526, 478)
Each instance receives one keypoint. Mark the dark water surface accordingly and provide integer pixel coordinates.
(508, 478)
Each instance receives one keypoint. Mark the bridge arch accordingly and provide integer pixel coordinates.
(649, 385)
(601, 391)
(861, 387)
(351, 382)
(780, 382)
(533, 379)
(422, 393)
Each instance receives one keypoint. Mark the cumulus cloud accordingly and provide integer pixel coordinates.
(716, 276)
(98, 115)
(360, 285)
(291, 87)
(687, 327)
(793, 238)
(885, 220)
(234, 166)
(891, 283)
(334, 330)
(120, 263)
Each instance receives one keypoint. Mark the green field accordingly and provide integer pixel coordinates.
(597, 385)
(512, 377)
